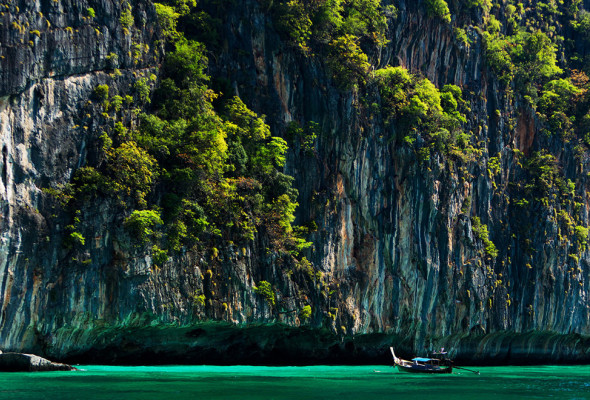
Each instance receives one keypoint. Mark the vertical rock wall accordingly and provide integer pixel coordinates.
(53, 54)
(395, 237)
(395, 244)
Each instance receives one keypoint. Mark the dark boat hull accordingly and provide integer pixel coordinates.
(422, 365)
(421, 369)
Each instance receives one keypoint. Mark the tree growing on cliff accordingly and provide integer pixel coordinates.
(265, 290)
(337, 30)
(348, 63)
(142, 223)
(415, 106)
(439, 9)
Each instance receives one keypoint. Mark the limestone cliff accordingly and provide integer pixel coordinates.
(396, 257)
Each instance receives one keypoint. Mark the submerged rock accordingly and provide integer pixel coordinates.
(20, 362)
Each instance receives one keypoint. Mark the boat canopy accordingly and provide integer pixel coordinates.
(421, 359)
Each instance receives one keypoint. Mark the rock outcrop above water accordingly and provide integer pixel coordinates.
(19, 362)
(395, 256)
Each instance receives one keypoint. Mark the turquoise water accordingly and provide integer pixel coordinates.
(301, 383)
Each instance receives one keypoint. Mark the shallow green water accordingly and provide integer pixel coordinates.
(301, 383)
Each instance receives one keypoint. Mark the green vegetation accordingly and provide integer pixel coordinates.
(215, 163)
(126, 18)
(116, 103)
(132, 170)
(535, 52)
(142, 223)
(528, 59)
(112, 60)
(439, 9)
(337, 30)
(159, 256)
(142, 90)
(168, 18)
(461, 37)
(544, 176)
(303, 137)
(77, 238)
(295, 22)
(347, 61)
(494, 166)
(555, 104)
(265, 290)
(192, 169)
(305, 312)
(101, 92)
(481, 232)
(195, 170)
(419, 109)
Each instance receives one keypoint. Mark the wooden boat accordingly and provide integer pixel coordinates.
(424, 365)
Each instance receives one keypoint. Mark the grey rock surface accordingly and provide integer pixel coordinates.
(19, 362)
(395, 248)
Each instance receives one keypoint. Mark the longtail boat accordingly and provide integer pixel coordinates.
(424, 365)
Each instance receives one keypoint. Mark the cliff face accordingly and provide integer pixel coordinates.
(399, 258)
(396, 236)
(52, 57)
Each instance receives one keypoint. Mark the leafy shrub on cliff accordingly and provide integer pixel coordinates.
(348, 63)
(142, 90)
(133, 171)
(181, 6)
(531, 59)
(76, 238)
(221, 166)
(498, 57)
(557, 95)
(265, 290)
(112, 60)
(413, 100)
(544, 172)
(196, 170)
(182, 91)
(366, 18)
(245, 128)
(555, 105)
(101, 92)
(126, 18)
(534, 55)
(546, 185)
(528, 58)
(305, 312)
(142, 223)
(168, 18)
(336, 30)
(477, 3)
(439, 9)
(418, 109)
(462, 37)
(581, 237)
(294, 20)
(394, 84)
(305, 136)
(481, 232)
(89, 182)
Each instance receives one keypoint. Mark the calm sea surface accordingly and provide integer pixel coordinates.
(301, 383)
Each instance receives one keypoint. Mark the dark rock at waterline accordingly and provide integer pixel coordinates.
(20, 362)
(276, 344)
